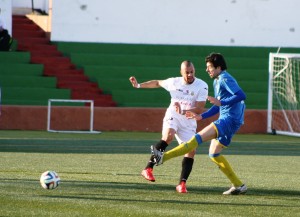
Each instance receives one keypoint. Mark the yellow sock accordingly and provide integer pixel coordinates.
(227, 170)
(181, 149)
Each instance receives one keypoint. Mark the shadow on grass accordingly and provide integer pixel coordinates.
(178, 202)
(136, 147)
(107, 189)
(104, 187)
(193, 190)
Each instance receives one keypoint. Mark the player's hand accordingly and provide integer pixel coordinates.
(193, 115)
(214, 101)
(133, 81)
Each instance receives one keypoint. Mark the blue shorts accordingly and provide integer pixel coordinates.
(226, 128)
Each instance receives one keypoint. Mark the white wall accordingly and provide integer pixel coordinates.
(197, 22)
(5, 14)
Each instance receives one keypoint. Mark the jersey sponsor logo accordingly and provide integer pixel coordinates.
(186, 92)
(186, 103)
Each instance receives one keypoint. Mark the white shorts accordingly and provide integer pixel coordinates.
(185, 128)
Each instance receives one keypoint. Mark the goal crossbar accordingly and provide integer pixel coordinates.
(91, 121)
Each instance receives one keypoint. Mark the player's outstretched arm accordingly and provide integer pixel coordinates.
(209, 113)
(147, 84)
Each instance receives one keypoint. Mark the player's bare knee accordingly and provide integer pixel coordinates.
(168, 138)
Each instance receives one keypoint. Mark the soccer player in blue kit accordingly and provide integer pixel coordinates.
(229, 103)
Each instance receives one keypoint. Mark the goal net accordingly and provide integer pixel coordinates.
(74, 103)
(284, 94)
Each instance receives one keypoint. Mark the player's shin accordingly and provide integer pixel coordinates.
(187, 165)
(183, 148)
(225, 167)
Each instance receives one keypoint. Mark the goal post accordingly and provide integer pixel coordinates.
(284, 94)
(91, 120)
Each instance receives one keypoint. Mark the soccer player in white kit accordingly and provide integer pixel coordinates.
(188, 93)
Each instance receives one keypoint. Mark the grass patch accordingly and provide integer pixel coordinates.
(100, 176)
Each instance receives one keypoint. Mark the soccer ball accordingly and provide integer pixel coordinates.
(49, 180)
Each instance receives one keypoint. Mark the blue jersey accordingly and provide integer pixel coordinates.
(226, 86)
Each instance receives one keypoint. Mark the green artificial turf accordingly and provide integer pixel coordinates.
(100, 176)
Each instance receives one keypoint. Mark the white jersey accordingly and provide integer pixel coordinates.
(187, 95)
